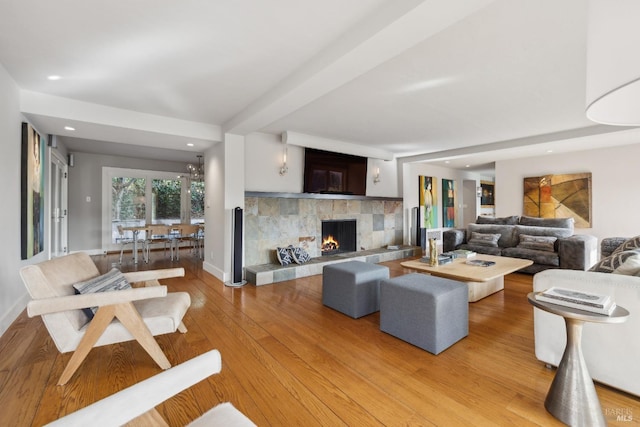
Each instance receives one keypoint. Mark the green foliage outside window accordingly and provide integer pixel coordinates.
(197, 201)
(166, 197)
(128, 201)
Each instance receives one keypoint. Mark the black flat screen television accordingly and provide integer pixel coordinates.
(334, 173)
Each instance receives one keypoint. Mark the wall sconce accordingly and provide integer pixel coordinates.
(376, 176)
(284, 168)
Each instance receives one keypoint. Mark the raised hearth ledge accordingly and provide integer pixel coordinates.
(266, 274)
(325, 196)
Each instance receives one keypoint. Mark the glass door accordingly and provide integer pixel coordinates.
(58, 206)
(196, 199)
(167, 204)
(132, 198)
(128, 203)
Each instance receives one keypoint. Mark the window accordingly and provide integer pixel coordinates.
(136, 197)
(166, 202)
(197, 202)
(128, 204)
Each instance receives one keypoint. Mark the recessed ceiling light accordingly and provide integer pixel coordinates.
(549, 151)
(447, 161)
(467, 166)
(191, 144)
(54, 77)
(69, 128)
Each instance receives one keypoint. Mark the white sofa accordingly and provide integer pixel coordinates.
(611, 351)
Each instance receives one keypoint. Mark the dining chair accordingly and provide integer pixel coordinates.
(175, 232)
(135, 405)
(189, 234)
(201, 240)
(158, 234)
(134, 313)
(128, 237)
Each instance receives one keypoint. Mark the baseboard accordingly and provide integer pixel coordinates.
(12, 314)
(89, 251)
(216, 272)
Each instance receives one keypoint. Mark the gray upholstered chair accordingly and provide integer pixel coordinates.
(136, 404)
(140, 313)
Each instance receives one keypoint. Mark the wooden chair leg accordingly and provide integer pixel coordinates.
(100, 321)
(130, 318)
(182, 328)
(150, 418)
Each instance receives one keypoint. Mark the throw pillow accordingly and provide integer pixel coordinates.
(630, 267)
(299, 255)
(628, 245)
(540, 243)
(484, 239)
(284, 256)
(614, 261)
(114, 280)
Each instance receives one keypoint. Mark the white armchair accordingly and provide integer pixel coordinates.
(136, 404)
(140, 312)
(611, 351)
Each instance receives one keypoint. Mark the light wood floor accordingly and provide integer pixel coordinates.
(290, 361)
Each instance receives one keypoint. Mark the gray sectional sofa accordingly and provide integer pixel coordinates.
(548, 242)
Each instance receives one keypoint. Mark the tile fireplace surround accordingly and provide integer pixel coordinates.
(273, 220)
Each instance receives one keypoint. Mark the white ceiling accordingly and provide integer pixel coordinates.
(469, 81)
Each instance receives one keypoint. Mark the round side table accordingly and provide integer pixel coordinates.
(572, 396)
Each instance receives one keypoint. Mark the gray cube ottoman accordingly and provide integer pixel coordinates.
(429, 312)
(353, 287)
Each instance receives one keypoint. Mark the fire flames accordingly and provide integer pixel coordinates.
(329, 244)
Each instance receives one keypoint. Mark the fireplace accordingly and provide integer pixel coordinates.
(338, 235)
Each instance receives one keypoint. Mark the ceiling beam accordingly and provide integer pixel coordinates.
(392, 29)
(96, 118)
(338, 146)
(513, 145)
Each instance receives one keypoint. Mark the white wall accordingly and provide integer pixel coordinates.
(410, 191)
(85, 180)
(388, 184)
(615, 190)
(263, 160)
(214, 212)
(13, 295)
(225, 186)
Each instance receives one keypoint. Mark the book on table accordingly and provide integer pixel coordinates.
(460, 253)
(463, 253)
(594, 303)
(480, 262)
(442, 259)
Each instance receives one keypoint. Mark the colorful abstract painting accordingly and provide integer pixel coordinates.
(428, 199)
(448, 203)
(559, 196)
(32, 192)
